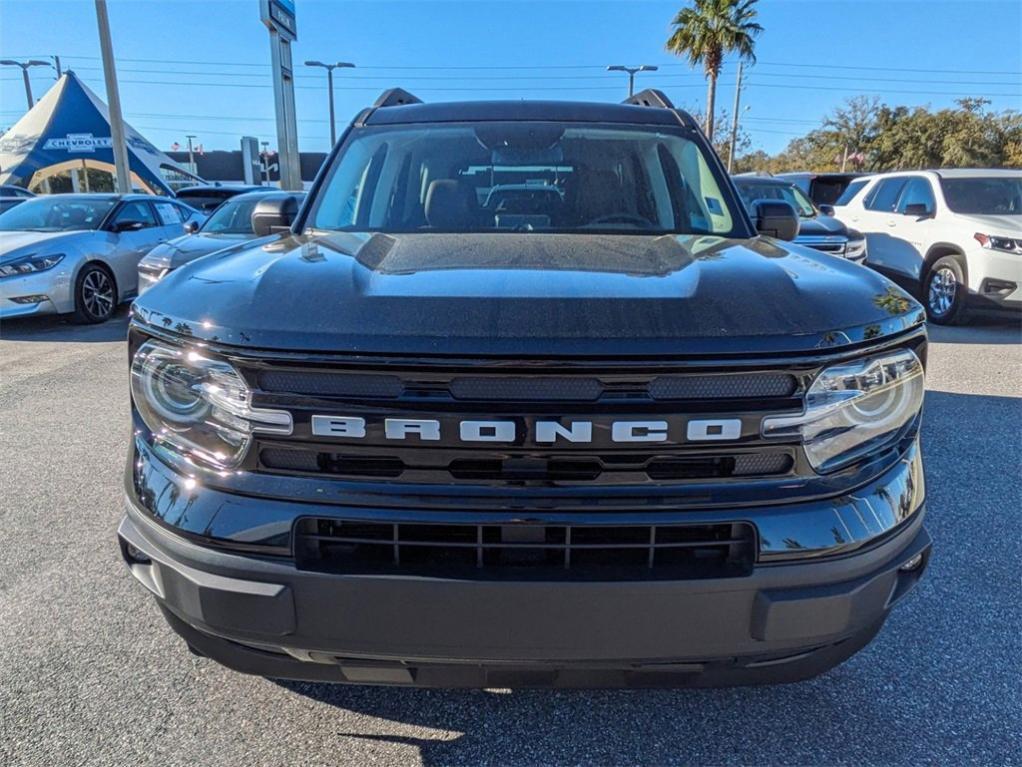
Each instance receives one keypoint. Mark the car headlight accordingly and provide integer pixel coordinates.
(994, 242)
(854, 408)
(30, 265)
(856, 246)
(200, 406)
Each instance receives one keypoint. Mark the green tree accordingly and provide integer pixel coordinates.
(708, 31)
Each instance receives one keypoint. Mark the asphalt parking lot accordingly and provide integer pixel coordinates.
(90, 674)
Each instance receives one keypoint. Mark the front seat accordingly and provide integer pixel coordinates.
(451, 205)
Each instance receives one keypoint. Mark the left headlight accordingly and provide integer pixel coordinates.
(993, 242)
(854, 408)
(200, 406)
(856, 246)
(30, 265)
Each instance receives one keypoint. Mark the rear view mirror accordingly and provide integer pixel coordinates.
(827, 210)
(917, 210)
(274, 214)
(775, 218)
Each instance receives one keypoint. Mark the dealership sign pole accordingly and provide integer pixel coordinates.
(119, 147)
(279, 17)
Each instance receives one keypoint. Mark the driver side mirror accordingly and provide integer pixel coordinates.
(191, 227)
(128, 226)
(918, 210)
(775, 218)
(274, 214)
(827, 210)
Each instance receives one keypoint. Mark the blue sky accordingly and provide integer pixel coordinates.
(202, 67)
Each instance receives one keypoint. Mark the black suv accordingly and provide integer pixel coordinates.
(522, 398)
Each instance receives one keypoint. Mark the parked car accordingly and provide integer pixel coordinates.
(11, 195)
(78, 253)
(815, 230)
(228, 225)
(636, 439)
(952, 236)
(822, 188)
(207, 198)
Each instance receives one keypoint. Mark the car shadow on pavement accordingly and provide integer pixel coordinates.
(930, 688)
(57, 328)
(980, 330)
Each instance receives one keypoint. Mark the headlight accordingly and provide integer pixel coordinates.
(993, 242)
(30, 265)
(856, 246)
(854, 408)
(201, 407)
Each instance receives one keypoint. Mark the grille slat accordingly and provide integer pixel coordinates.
(561, 551)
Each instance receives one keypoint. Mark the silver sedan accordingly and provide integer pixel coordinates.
(78, 253)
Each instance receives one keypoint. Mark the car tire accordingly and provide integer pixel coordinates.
(95, 295)
(945, 291)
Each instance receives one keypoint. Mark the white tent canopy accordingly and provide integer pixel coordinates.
(69, 128)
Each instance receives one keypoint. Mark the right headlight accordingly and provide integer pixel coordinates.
(854, 408)
(199, 406)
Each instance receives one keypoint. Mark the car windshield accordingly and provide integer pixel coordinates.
(55, 214)
(850, 191)
(233, 217)
(795, 197)
(990, 195)
(523, 177)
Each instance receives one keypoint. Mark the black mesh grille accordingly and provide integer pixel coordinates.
(332, 384)
(526, 389)
(737, 386)
(569, 552)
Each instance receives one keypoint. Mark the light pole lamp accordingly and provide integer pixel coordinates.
(631, 73)
(330, 87)
(24, 73)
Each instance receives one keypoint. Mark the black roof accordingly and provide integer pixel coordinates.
(562, 111)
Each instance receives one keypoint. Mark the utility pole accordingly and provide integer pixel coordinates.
(191, 155)
(734, 118)
(330, 86)
(56, 65)
(113, 99)
(631, 73)
(24, 74)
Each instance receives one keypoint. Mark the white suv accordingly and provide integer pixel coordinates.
(953, 235)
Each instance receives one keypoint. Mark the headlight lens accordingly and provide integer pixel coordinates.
(993, 242)
(30, 265)
(200, 406)
(856, 247)
(854, 408)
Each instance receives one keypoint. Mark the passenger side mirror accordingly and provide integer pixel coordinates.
(274, 214)
(918, 210)
(128, 226)
(775, 218)
(827, 210)
(191, 227)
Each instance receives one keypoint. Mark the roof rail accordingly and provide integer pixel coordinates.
(651, 97)
(396, 97)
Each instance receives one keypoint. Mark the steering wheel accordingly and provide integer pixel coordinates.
(623, 218)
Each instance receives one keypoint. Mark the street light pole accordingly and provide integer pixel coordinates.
(113, 99)
(191, 155)
(734, 118)
(24, 74)
(631, 73)
(330, 87)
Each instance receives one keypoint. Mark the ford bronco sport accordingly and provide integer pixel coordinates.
(523, 396)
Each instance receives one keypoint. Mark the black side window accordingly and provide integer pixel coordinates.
(850, 191)
(917, 192)
(885, 197)
(136, 211)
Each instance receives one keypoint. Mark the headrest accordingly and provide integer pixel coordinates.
(448, 204)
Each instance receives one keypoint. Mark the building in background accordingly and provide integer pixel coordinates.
(228, 167)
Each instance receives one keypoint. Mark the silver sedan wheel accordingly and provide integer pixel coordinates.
(943, 289)
(98, 293)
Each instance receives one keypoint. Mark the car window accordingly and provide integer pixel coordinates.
(168, 212)
(992, 195)
(523, 177)
(885, 196)
(233, 217)
(136, 211)
(850, 191)
(56, 213)
(917, 192)
(789, 193)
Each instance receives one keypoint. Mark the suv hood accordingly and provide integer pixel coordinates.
(821, 225)
(1010, 226)
(527, 295)
(181, 250)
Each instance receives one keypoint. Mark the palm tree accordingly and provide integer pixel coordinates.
(708, 31)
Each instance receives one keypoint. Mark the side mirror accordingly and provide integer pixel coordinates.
(128, 226)
(827, 210)
(918, 210)
(775, 218)
(191, 227)
(274, 214)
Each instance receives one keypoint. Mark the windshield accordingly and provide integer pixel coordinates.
(993, 195)
(233, 217)
(850, 191)
(522, 177)
(55, 214)
(788, 193)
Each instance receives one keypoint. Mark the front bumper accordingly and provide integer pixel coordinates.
(995, 279)
(787, 621)
(50, 289)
